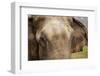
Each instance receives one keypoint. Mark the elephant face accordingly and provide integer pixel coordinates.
(53, 37)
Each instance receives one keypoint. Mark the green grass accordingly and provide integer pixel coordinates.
(82, 54)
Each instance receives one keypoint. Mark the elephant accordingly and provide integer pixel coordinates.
(54, 37)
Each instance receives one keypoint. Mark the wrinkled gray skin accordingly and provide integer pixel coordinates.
(53, 37)
(79, 37)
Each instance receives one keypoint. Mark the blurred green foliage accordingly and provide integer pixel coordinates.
(81, 54)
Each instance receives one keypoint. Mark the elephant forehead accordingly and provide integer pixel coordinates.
(53, 27)
(56, 27)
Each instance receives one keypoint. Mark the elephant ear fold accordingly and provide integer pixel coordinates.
(78, 23)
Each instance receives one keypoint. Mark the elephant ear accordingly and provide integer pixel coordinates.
(83, 27)
(32, 43)
(79, 37)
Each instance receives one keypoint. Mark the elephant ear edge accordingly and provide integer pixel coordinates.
(80, 24)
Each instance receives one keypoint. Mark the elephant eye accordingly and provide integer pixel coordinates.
(42, 41)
